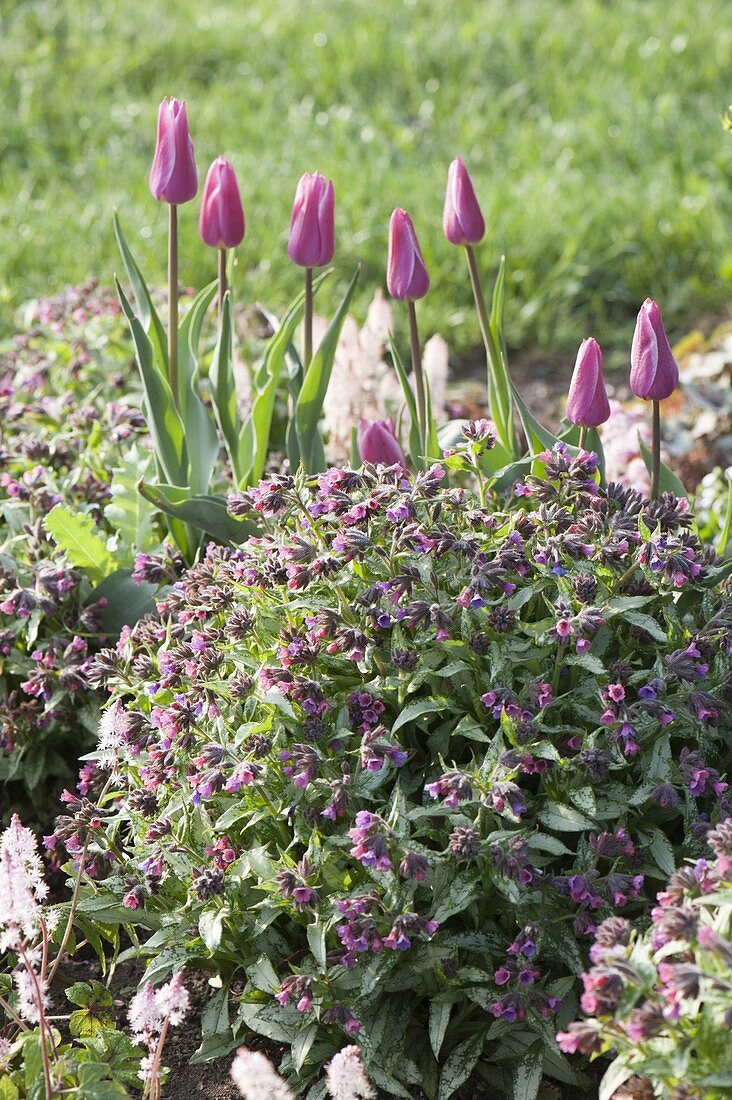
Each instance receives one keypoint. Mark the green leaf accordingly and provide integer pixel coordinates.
(615, 1076)
(316, 942)
(77, 536)
(206, 513)
(301, 1047)
(163, 419)
(127, 601)
(459, 1066)
(417, 710)
(499, 382)
(223, 390)
(129, 514)
(660, 848)
(215, 1016)
(668, 482)
(210, 927)
(149, 318)
(8, 1091)
(725, 535)
(564, 818)
(647, 623)
(527, 1074)
(414, 450)
(439, 1019)
(200, 431)
(309, 407)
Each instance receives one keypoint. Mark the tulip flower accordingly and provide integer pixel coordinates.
(654, 374)
(407, 280)
(462, 219)
(221, 222)
(587, 403)
(378, 444)
(173, 179)
(312, 240)
(463, 225)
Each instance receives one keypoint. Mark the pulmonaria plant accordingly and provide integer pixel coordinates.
(393, 762)
(660, 1004)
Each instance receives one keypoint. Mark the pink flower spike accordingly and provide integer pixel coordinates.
(221, 223)
(462, 219)
(312, 225)
(378, 444)
(587, 402)
(173, 177)
(654, 373)
(406, 274)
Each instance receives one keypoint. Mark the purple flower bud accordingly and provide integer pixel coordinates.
(587, 403)
(378, 444)
(654, 373)
(312, 227)
(406, 274)
(173, 176)
(462, 220)
(221, 223)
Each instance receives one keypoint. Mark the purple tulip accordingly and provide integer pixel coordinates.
(221, 223)
(312, 229)
(378, 444)
(462, 220)
(654, 373)
(406, 274)
(173, 176)
(587, 403)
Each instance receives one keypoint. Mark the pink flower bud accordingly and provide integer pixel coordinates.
(406, 274)
(377, 443)
(654, 373)
(462, 220)
(587, 403)
(312, 229)
(221, 223)
(173, 176)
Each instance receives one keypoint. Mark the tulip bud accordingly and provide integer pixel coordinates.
(173, 176)
(377, 443)
(221, 223)
(587, 403)
(654, 373)
(462, 220)
(406, 274)
(312, 229)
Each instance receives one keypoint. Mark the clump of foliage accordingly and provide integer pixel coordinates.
(661, 1004)
(393, 762)
(70, 441)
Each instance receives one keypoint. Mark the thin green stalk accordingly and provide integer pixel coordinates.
(173, 302)
(500, 408)
(223, 286)
(418, 377)
(307, 341)
(656, 451)
(583, 439)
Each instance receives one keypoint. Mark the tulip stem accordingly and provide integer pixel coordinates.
(500, 405)
(656, 451)
(173, 303)
(418, 377)
(222, 279)
(583, 439)
(307, 349)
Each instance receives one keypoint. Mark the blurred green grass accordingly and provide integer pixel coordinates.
(591, 129)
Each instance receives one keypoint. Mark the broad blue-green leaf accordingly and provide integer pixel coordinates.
(77, 536)
(223, 390)
(527, 1074)
(309, 406)
(439, 1019)
(200, 431)
(129, 514)
(459, 1065)
(163, 419)
(668, 482)
(207, 513)
(563, 818)
(126, 601)
(149, 317)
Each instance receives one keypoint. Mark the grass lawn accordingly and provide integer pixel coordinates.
(591, 128)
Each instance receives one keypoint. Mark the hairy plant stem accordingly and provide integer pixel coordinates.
(418, 377)
(173, 303)
(307, 337)
(223, 285)
(656, 451)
